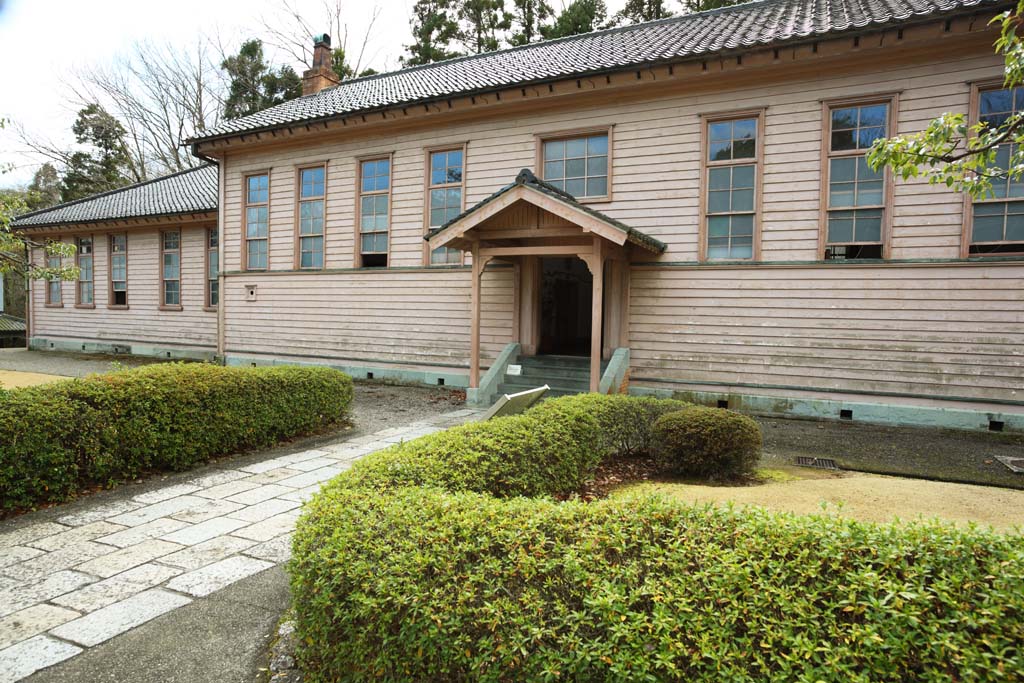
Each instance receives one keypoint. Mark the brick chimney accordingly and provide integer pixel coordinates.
(320, 76)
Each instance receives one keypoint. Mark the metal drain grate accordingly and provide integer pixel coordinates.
(820, 463)
(1014, 464)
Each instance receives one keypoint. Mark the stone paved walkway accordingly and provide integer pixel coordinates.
(70, 584)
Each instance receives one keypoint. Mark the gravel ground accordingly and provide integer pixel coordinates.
(66, 364)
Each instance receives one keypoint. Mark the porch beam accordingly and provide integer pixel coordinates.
(566, 250)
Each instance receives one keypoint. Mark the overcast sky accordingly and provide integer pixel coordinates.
(43, 41)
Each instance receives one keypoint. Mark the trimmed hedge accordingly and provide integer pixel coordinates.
(707, 442)
(425, 563)
(59, 438)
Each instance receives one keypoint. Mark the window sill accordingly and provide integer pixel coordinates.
(54, 305)
(116, 307)
(85, 306)
(210, 309)
(164, 307)
(594, 200)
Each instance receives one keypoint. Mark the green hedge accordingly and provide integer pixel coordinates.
(56, 439)
(425, 563)
(707, 442)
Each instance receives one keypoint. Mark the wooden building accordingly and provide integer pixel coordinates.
(684, 202)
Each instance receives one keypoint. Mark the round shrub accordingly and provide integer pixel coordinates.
(707, 442)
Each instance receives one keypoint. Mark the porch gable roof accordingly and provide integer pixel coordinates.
(530, 188)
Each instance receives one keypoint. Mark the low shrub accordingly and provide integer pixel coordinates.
(426, 585)
(707, 442)
(624, 421)
(58, 438)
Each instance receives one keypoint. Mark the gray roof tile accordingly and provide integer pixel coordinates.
(191, 191)
(752, 24)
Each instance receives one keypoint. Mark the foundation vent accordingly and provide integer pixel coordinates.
(995, 425)
(819, 463)
(845, 414)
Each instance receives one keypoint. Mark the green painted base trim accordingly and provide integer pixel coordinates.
(364, 370)
(126, 347)
(859, 411)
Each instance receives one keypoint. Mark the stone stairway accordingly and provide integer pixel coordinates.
(563, 374)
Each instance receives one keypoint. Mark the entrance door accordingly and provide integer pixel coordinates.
(566, 295)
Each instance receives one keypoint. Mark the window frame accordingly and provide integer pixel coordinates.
(569, 134)
(297, 247)
(78, 264)
(358, 207)
(973, 117)
(110, 272)
(163, 305)
(705, 174)
(892, 99)
(427, 187)
(207, 305)
(245, 219)
(49, 302)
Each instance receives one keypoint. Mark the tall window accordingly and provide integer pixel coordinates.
(85, 272)
(53, 285)
(578, 165)
(374, 211)
(311, 217)
(119, 270)
(444, 192)
(731, 181)
(257, 215)
(170, 251)
(856, 194)
(997, 222)
(212, 268)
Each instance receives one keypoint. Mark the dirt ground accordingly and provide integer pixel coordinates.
(66, 364)
(866, 497)
(10, 379)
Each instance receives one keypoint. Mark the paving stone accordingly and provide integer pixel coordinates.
(228, 489)
(271, 476)
(303, 456)
(125, 584)
(349, 452)
(414, 434)
(95, 514)
(87, 532)
(32, 532)
(264, 510)
(164, 508)
(315, 477)
(211, 510)
(302, 495)
(269, 528)
(29, 656)
(258, 495)
(129, 557)
(135, 535)
(204, 531)
(26, 595)
(207, 552)
(390, 431)
(39, 568)
(31, 621)
(215, 576)
(363, 440)
(276, 550)
(18, 553)
(216, 478)
(166, 493)
(6, 583)
(314, 464)
(109, 621)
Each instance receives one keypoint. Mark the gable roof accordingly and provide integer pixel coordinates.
(191, 191)
(526, 178)
(761, 23)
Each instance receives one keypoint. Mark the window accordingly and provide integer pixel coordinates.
(119, 270)
(311, 217)
(731, 187)
(257, 213)
(856, 212)
(170, 253)
(374, 211)
(212, 268)
(444, 198)
(85, 272)
(578, 165)
(997, 221)
(53, 285)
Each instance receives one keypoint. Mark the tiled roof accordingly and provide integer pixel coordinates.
(10, 324)
(753, 24)
(192, 191)
(527, 178)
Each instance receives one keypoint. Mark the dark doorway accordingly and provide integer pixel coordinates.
(566, 295)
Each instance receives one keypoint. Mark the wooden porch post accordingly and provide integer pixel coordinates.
(596, 263)
(474, 320)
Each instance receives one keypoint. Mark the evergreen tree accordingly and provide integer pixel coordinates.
(434, 26)
(105, 165)
(529, 17)
(691, 6)
(482, 22)
(44, 190)
(254, 84)
(581, 16)
(637, 11)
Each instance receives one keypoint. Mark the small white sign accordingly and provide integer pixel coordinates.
(514, 370)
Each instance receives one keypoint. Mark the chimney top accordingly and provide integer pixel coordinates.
(322, 39)
(320, 75)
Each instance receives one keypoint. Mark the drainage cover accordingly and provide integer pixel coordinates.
(1015, 464)
(820, 463)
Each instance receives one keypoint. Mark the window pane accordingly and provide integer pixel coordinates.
(718, 226)
(720, 131)
(720, 151)
(212, 267)
(1014, 224)
(597, 166)
(214, 292)
(719, 178)
(575, 168)
(742, 200)
(258, 186)
(743, 176)
(743, 225)
(840, 227)
(554, 150)
(576, 147)
(576, 187)
(312, 181)
(873, 115)
(844, 119)
(597, 145)
(171, 240)
(597, 187)
(86, 290)
(744, 149)
(868, 226)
